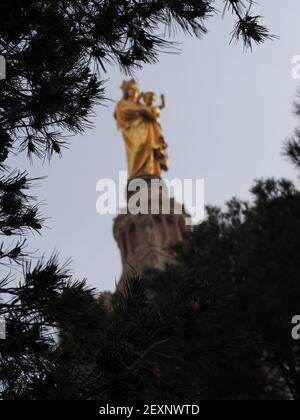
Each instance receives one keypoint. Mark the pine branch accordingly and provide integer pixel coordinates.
(247, 26)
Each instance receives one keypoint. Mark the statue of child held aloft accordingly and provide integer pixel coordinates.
(160, 146)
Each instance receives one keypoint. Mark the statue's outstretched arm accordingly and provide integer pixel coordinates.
(163, 102)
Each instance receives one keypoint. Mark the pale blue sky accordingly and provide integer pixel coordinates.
(227, 116)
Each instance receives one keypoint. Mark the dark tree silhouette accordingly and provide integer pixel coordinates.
(247, 259)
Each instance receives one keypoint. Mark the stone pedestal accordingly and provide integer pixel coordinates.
(144, 239)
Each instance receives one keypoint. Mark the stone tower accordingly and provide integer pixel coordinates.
(144, 239)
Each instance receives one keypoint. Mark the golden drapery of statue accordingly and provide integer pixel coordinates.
(138, 118)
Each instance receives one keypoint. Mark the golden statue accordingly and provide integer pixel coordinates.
(140, 125)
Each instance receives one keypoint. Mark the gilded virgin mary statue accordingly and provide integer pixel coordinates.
(138, 118)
